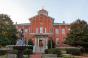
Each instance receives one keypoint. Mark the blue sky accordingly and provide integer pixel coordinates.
(62, 10)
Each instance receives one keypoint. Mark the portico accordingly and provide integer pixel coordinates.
(41, 43)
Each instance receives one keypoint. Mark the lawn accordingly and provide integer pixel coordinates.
(5, 56)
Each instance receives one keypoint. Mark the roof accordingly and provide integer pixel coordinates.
(40, 15)
(55, 24)
(23, 24)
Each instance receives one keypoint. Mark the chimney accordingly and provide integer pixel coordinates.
(63, 22)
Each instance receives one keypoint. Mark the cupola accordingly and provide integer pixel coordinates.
(42, 11)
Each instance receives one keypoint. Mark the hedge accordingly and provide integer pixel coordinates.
(26, 51)
(3, 52)
(53, 51)
(74, 51)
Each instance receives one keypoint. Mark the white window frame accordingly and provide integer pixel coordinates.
(57, 41)
(29, 30)
(25, 30)
(41, 29)
(36, 30)
(57, 31)
(45, 30)
(63, 31)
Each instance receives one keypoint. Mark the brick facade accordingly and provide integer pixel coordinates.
(43, 26)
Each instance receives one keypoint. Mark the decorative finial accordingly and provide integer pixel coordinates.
(43, 11)
(42, 7)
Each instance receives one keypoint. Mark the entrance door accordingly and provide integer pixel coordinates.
(41, 43)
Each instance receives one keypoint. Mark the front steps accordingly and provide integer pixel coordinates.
(39, 55)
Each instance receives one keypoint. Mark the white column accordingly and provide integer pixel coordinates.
(34, 49)
(46, 42)
(35, 42)
(38, 42)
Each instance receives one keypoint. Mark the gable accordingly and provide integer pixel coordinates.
(41, 17)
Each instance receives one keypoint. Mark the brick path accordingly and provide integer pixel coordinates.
(36, 55)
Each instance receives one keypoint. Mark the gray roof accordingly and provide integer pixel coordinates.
(23, 24)
(55, 24)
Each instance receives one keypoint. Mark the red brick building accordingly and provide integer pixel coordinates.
(42, 28)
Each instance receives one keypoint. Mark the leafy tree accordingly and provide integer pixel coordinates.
(30, 43)
(78, 35)
(7, 30)
(51, 43)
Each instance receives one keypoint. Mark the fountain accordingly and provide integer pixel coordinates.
(20, 45)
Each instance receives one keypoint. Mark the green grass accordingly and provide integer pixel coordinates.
(3, 56)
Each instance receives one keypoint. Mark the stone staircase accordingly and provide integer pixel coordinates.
(39, 50)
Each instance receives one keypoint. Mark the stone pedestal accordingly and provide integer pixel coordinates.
(20, 50)
(20, 54)
(11, 55)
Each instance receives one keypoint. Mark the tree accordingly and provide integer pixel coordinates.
(7, 30)
(30, 43)
(51, 43)
(78, 35)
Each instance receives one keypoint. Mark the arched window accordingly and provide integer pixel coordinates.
(41, 29)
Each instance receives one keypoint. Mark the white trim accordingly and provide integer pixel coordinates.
(57, 31)
(41, 29)
(57, 41)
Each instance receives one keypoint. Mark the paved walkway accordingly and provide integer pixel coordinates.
(39, 55)
(36, 55)
(81, 57)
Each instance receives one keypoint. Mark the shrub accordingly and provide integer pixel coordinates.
(53, 51)
(30, 43)
(3, 52)
(28, 51)
(85, 50)
(51, 44)
(46, 51)
(58, 52)
(73, 51)
(68, 56)
(15, 51)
